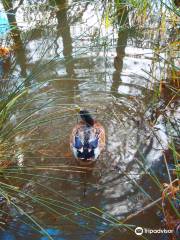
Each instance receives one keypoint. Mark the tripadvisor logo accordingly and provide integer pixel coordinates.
(140, 231)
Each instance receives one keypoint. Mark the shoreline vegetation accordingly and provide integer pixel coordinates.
(37, 110)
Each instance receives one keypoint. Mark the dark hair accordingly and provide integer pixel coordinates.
(86, 116)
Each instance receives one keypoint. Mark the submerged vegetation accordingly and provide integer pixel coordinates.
(118, 59)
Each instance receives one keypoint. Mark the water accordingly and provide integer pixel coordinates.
(80, 59)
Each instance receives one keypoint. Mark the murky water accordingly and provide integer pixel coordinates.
(79, 59)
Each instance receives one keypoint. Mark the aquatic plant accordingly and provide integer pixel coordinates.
(29, 109)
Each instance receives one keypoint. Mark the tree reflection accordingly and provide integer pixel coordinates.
(120, 49)
(16, 35)
(63, 30)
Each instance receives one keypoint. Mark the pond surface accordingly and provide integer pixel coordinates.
(72, 55)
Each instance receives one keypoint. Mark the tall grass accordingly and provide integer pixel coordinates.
(165, 87)
(23, 112)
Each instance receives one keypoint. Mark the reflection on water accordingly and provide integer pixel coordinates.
(104, 71)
